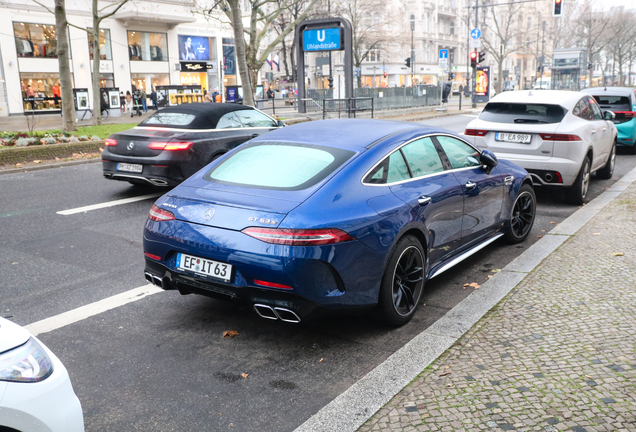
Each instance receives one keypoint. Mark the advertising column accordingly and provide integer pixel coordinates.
(482, 84)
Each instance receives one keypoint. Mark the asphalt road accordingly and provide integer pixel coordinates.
(161, 363)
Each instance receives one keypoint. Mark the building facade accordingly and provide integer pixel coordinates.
(143, 46)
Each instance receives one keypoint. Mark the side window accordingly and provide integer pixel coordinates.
(422, 157)
(583, 110)
(391, 169)
(460, 154)
(253, 118)
(596, 110)
(229, 121)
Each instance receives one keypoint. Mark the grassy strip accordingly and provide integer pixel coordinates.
(102, 131)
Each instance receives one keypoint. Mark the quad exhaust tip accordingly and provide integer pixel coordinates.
(276, 313)
(155, 280)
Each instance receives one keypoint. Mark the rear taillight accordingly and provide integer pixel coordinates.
(154, 257)
(170, 146)
(109, 142)
(475, 132)
(298, 237)
(629, 114)
(159, 215)
(559, 137)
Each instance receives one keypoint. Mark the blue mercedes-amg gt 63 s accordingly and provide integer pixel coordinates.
(335, 215)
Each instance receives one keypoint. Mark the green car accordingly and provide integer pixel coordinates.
(622, 102)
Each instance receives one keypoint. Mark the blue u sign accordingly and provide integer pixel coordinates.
(327, 39)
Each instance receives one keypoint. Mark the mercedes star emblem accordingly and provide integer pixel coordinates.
(209, 214)
(131, 145)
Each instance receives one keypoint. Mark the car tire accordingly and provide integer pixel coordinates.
(522, 215)
(578, 192)
(607, 171)
(402, 283)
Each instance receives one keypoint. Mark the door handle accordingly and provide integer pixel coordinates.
(604, 129)
(470, 185)
(594, 131)
(423, 200)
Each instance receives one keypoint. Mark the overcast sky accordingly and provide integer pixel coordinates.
(606, 4)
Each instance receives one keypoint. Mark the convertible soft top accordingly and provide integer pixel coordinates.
(206, 115)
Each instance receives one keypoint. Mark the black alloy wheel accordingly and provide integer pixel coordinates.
(402, 283)
(522, 216)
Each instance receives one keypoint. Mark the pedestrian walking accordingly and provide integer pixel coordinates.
(129, 102)
(208, 97)
(144, 101)
(216, 97)
(153, 98)
(122, 102)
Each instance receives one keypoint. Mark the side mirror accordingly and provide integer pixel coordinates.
(488, 159)
(608, 115)
(280, 123)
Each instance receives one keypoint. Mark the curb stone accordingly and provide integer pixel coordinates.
(352, 408)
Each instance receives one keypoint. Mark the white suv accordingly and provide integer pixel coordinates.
(559, 137)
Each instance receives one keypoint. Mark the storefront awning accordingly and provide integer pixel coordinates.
(133, 18)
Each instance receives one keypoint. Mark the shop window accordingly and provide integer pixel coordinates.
(105, 52)
(147, 46)
(106, 80)
(35, 40)
(148, 81)
(40, 91)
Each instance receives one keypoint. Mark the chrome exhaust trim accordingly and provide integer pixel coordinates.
(155, 280)
(287, 315)
(265, 311)
(548, 177)
(155, 182)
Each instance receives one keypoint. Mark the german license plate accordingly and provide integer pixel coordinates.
(513, 137)
(136, 168)
(204, 266)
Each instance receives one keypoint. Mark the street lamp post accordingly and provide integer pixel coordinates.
(474, 75)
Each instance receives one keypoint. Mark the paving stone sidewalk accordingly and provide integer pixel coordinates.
(558, 353)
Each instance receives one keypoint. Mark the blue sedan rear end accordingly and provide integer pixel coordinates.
(309, 218)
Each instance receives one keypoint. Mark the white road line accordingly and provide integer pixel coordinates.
(109, 204)
(469, 115)
(58, 321)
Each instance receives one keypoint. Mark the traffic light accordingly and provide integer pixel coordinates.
(330, 79)
(407, 62)
(384, 74)
(557, 8)
(473, 59)
(482, 57)
(451, 76)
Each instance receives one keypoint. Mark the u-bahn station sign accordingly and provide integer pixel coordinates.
(325, 39)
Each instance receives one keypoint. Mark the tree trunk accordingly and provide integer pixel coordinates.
(241, 57)
(68, 107)
(97, 97)
(285, 58)
(499, 84)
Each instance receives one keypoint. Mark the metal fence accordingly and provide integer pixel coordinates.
(401, 97)
(350, 106)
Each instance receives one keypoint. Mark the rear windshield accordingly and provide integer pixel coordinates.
(278, 166)
(169, 118)
(501, 112)
(621, 101)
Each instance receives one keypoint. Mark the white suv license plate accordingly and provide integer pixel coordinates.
(204, 266)
(513, 137)
(136, 168)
